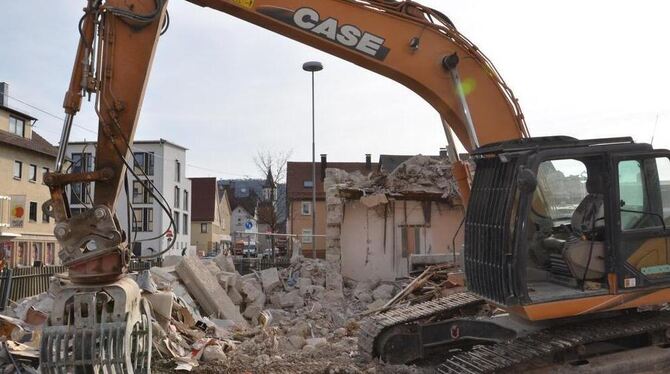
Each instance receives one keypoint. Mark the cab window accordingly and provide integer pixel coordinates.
(644, 193)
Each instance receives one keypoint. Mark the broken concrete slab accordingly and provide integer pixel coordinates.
(297, 341)
(334, 281)
(254, 309)
(212, 267)
(315, 292)
(163, 278)
(213, 352)
(227, 280)
(251, 289)
(288, 300)
(383, 292)
(225, 263)
(206, 290)
(161, 303)
(304, 282)
(315, 342)
(235, 296)
(270, 279)
(171, 261)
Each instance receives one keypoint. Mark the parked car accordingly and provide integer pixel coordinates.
(249, 250)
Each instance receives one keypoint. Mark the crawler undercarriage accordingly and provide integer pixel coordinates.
(461, 329)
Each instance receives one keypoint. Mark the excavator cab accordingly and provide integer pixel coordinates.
(558, 227)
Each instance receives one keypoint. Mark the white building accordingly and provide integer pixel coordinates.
(164, 164)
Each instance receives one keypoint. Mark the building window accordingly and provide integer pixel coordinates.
(306, 208)
(177, 171)
(82, 162)
(22, 257)
(176, 223)
(32, 173)
(37, 252)
(176, 197)
(44, 171)
(18, 169)
(307, 184)
(306, 236)
(17, 126)
(144, 163)
(143, 219)
(80, 193)
(51, 254)
(185, 224)
(203, 228)
(33, 212)
(185, 200)
(142, 194)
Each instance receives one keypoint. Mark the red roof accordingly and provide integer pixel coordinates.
(299, 172)
(203, 199)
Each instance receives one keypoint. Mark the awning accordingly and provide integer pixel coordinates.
(226, 238)
(7, 236)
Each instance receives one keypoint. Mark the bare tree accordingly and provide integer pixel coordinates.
(270, 212)
(275, 161)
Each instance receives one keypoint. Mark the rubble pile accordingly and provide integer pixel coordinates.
(423, 174)
(209, 318)
(419, 174)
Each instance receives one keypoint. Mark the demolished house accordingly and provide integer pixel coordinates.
(385, 224)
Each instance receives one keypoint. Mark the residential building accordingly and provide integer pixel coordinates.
(299, 187)
(26, 233)
(210, 222)
(392, 223)
(163, 163)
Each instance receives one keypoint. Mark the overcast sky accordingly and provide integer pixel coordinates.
(225, 89)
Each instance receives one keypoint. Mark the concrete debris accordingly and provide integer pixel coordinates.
(302, 318)
(383, 292)
(251, 289)
(419, 174)
(213, 353)
(270, 279)
(225, 262)
(206, 290)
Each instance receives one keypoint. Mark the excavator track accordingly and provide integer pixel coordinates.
(546, 344)
(372, 327)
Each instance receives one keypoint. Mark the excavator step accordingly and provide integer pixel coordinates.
(550, 343)
(374, 326)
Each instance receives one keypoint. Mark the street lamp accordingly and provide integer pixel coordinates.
(313, 67)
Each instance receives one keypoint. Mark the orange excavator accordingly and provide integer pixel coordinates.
(568, 237)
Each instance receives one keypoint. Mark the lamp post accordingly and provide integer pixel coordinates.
(313, 67)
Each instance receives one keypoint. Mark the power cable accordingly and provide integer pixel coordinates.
(137, 148)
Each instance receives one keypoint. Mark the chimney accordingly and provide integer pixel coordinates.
(443, 153)
(324, 165)
(4, 94)
(368, 161)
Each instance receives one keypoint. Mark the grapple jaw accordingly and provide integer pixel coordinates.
(98, 329)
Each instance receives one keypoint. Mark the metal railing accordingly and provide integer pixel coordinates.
(246, 265)
(19, 283)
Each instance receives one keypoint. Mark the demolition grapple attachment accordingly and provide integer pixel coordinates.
(98, 329)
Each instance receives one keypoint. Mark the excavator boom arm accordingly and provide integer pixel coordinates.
(402, 40)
